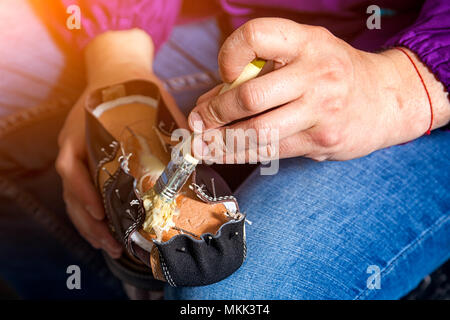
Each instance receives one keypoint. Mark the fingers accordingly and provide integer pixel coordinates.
(286, 120)
(82, 200)
(77, 180)
(283, 132)
(274, 39)
(70, 163)
(250, 98)
(210, 94)
(94, 231)
(298, 144)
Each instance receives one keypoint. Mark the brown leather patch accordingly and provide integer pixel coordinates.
(156, 265)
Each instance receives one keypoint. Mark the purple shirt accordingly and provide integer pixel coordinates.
(421, 26)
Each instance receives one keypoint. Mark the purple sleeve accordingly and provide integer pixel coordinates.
(429, 38)
(156, 17)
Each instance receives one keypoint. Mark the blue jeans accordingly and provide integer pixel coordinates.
(323, 230)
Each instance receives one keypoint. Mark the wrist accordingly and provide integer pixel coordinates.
(117, 56)
(422, 99)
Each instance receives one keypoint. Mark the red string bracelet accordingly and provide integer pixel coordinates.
(424, 86)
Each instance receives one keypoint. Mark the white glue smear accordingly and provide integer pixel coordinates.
(159, 214)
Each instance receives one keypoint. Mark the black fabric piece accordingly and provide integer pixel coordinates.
(189, 262)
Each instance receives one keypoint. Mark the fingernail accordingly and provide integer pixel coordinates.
(196, 122)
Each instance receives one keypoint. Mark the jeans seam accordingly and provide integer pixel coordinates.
(390, 266)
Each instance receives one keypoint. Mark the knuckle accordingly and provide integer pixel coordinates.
(250, 32)
(284, 148)
(319, 157)
(335, 69)
(287, 146)
(224, 61)
(328, 137)
(323, 32)
(213, 114)
(251, 98)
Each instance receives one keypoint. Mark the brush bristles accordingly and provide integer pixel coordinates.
(159, 214)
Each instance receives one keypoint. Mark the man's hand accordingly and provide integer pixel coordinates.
(327, 99)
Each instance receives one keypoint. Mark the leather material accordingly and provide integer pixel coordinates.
(120, 197)
(98, 144)
(209, 230)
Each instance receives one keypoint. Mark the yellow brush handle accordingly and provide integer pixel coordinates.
(250, 71)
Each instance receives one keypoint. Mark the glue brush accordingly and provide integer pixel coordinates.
(178, 170)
